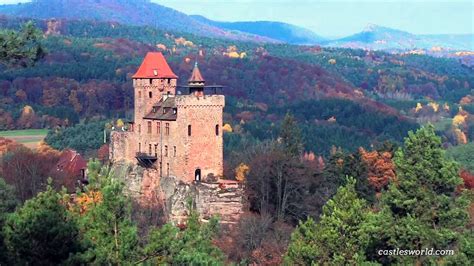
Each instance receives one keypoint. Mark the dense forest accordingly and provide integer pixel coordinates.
(342, 152)
(85, 74)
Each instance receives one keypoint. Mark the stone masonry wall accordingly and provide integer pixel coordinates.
(224, 198)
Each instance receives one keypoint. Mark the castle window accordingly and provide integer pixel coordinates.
(151, 81)
(174, 151)
(217, 130)
(166, 150)
(150, 94)
(156, 150)
(139, 147)
(149, 149)
(168, 81)
(168, 169)
(139, 128)
(139, 94)
(167, 132)
(189, 130)
(158, 127)
(149, 127)
(161, 169)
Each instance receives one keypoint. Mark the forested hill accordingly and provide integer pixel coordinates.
(130, 12)
(342, 97)
(283, 32)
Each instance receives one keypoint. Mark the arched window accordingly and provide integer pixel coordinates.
(168, 169)
(149, 149)
(174, 151)
(139, 128)
(139, 94)
(166, 150)
(150, 94)
(217, 130)
(189, 130)
(139, 147)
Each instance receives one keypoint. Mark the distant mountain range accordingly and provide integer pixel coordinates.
(279, 31)
(376, 37)
(144, 12)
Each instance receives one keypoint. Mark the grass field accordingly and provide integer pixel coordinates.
(28, 137)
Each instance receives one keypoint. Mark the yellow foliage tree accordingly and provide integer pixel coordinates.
(227, 128)
(119, 123)
(435, 106)
(459, 119)
(418, 107)
(241, 172)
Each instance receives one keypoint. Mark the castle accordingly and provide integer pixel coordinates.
(176, 130)
(175, 142)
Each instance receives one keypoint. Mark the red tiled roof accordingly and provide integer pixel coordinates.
(71, 162)
(154, 65)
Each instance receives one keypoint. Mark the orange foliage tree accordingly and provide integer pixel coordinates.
(380, 168)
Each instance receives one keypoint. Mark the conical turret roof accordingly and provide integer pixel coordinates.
(196, 75)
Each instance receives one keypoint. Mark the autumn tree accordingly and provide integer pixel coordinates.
(42, 232)
(339, 238)
(275, 184)
(380, 167)
(423, 208)
(27, 171)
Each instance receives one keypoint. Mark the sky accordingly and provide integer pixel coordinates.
(338, 18)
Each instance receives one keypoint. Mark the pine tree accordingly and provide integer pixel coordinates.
(21, 48)
(290, 135)
(423, 208)
(338, 238)
(108, 230)
(8, 202)
(191, 246)
(42, 232)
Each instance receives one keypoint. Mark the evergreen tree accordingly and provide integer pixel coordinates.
(423, 209)
(21, 47)
(108, 230)
(338, 238)
(290, 135)
(42, 232)
(8, 202)
(191, 246)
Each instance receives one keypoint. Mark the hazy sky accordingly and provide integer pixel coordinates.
(338, 18)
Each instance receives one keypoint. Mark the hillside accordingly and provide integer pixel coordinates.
(375, 37)
(283, 32)
(130, 12)
(343, 97)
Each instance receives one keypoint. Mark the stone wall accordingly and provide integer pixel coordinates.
(224, 198)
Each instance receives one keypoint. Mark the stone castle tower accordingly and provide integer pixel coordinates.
(175, 130)
(174, 146)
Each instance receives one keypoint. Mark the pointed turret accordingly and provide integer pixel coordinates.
(196, 78)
